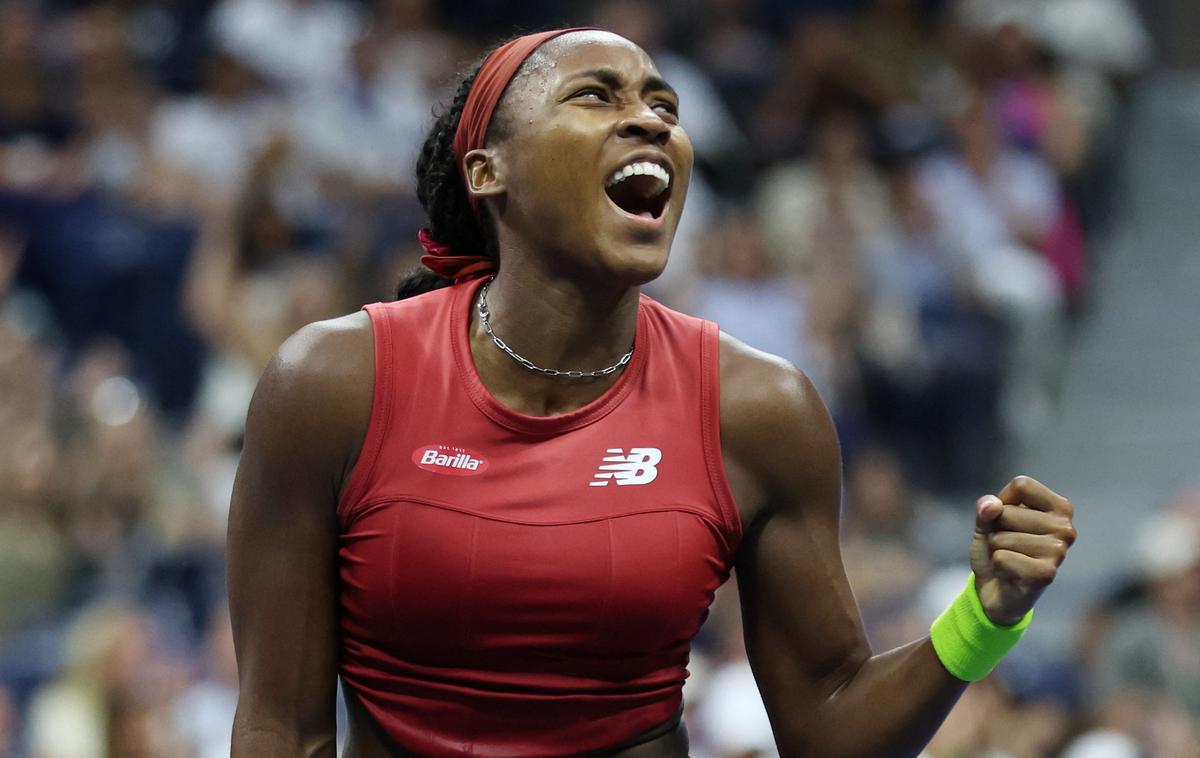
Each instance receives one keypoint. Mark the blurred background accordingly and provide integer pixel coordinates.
(971, 222)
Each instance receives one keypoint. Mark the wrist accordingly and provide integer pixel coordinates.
(1003, 622)
(991, 606)
(968, 643)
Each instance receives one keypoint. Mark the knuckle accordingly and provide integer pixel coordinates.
(1060, 552)
(1022, 483)
(1068, 507)
(1042, 575)
(1009, 561)
(1068, 534)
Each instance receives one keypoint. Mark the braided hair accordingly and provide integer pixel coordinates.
(443, 196)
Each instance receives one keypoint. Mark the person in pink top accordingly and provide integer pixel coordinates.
(498, 508)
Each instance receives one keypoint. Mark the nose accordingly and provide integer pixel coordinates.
(645, 125)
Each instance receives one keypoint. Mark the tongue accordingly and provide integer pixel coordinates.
(646, 214)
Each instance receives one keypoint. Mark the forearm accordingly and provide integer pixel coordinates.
(890, 706)
(255, 736)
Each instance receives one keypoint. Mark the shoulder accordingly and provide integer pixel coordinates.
(322, 358)
(313, 401)
(775, 427)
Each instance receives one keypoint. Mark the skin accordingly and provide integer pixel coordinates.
(568, 293)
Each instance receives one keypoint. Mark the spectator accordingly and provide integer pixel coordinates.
(366, 127)
(817, 217)
(1152, 649)
(739, 56)
(204, 713)
(34, 558)
(215, 134)
(1106, 34)
(930, 355)
(733, 715)
(745, 273)
(884, 561)
(27, 108)
(296, 44)
(817, 214)
(110, 699)
(994, 208)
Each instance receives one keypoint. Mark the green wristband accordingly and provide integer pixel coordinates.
(965, 639)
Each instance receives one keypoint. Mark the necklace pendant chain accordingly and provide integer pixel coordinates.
(484, 317)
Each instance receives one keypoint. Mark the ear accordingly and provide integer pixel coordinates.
(485, 174)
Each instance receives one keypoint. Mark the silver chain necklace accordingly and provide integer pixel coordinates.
(487, 327)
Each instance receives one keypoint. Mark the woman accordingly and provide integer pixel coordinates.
(505, 550)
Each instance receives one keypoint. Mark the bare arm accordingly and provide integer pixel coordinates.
(826, 693)
(303, 432)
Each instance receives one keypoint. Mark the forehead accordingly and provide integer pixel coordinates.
(572, 54)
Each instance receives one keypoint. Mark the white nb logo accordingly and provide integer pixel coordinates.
(639, 467)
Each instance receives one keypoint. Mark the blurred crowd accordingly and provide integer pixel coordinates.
(901, 197)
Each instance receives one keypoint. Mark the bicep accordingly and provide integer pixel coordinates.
(803, 632)
(282, 598)
(282, 563)
(802, 628)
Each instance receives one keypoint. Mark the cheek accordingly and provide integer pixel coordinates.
(556, 175)
(573, 155)
(683, 143)
(680, 149)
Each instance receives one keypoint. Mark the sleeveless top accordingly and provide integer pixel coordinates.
(517, 585)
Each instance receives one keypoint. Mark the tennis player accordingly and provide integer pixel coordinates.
(498, 508)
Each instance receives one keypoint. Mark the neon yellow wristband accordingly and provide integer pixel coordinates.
(965, 639)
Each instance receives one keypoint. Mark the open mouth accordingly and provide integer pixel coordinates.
(640, 189)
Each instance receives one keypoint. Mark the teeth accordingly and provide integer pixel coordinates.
(641, 168)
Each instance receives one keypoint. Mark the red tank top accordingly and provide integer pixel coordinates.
(528, 586)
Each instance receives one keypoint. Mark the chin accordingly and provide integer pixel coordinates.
(636, 263)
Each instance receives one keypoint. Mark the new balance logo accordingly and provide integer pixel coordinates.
(639, 467)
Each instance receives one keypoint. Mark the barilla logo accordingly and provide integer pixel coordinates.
(449, 459)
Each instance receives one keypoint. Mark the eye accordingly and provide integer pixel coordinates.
(591, 93)
(666, 106)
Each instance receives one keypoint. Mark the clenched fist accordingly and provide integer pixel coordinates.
(1021, 538)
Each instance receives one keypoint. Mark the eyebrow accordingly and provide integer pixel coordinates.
(612, 78)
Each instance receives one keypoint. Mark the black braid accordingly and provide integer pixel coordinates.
(442, 195)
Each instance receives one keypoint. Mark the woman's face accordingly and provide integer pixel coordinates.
(594, 166)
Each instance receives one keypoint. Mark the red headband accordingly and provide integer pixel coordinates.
(489, 85)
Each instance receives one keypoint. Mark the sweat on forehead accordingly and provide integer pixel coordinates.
(545, 59)
(535, 74)
(531, 59)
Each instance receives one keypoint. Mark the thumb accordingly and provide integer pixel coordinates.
(987, 512)
(987, 516)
